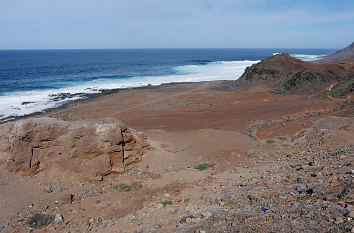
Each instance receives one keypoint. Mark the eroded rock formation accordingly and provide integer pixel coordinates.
(57, 148)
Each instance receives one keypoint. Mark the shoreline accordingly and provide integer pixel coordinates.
(87, 97)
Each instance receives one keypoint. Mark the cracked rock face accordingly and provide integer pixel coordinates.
(78, 149)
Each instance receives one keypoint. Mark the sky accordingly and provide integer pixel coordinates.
(95, 24)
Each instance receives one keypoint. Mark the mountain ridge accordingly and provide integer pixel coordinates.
(340, 56)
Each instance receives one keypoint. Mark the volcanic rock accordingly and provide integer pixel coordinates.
(284, 74)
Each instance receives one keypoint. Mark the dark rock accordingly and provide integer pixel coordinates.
(38, 220)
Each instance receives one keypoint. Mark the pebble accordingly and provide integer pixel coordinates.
(188, 220)
(48, 189)
(196, 220)
(58, 219)
(254, 196)
(206, 214)
(66, 199)
(351, 214)
(339, 220)
(199, 231)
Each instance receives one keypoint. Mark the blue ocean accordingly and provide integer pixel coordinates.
(33, 81)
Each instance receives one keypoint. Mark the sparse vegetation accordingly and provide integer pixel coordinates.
(165, 203)
(186, 200)
(304, 197)
(282, 138)
(270, 141)
(229, 203)
(204, 166)
(336, 153)
(38, 220)
(343, 89)
(122, 186)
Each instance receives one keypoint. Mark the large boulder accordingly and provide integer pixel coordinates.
(57, 148)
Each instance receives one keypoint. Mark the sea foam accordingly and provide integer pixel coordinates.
(306, 57)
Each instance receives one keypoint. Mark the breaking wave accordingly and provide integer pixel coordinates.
(306, 57)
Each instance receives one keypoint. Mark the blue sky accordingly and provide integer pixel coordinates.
(44, 24)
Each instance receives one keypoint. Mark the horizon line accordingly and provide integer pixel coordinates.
(151, 48)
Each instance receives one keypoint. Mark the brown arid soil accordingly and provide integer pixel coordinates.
(272, 163)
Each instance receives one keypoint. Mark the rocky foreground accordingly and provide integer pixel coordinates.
(286, 184)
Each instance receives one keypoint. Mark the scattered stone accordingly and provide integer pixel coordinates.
(48, 189)
(66, 199)
(196, 220)
(206, 214)
(339, 220)
(351, 214)
(254, 196)
(136, 185)
(58, 219)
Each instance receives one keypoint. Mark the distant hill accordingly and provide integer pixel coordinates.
(284, 74)
(341, 56)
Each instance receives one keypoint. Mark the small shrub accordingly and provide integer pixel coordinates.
(165, 203)
(204, 166)
(122, 186)
(304, 197)
(38, 220)
(229, 203)
(270, 141)
(186, 200)
(281, 138)
(338, 153)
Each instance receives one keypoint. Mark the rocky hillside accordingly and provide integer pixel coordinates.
(287, 75)
(341, 56)
(57, 148)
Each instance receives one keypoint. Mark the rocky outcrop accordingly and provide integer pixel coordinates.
(57, 148)
(284, 74)
(274, 69)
